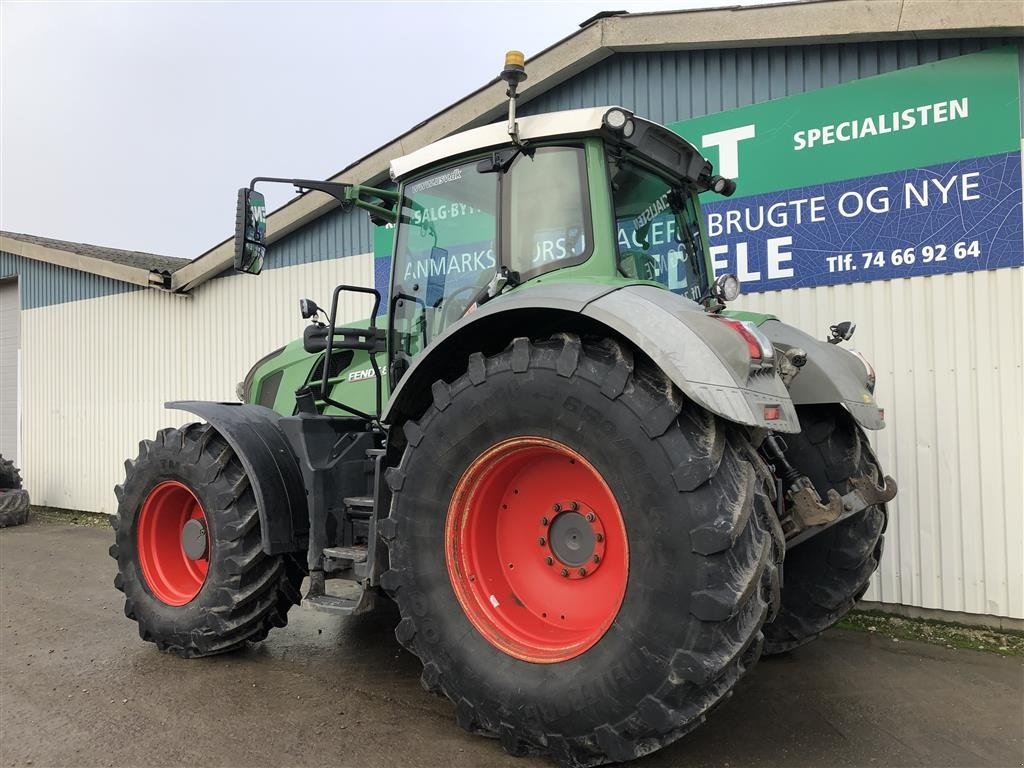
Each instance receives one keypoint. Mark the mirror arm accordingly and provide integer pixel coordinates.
(347, 194)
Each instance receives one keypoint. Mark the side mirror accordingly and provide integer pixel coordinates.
(250, 232)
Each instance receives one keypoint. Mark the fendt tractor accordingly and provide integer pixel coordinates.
(595, 494)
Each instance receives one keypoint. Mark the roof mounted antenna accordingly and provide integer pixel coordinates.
(514, 73)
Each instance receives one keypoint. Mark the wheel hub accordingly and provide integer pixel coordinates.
(573, 541)
(193, 539)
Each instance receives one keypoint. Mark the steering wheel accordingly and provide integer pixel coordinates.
(449, 304)
(639, 265)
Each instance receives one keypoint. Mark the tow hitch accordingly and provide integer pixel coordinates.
(807, 514)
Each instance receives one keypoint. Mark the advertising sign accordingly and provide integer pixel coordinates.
(912, 173)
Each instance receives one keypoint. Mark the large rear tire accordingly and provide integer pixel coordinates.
(194, 596)
(593, 667)
(827, 574)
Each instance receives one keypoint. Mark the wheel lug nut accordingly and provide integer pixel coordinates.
(599, 536)
(574, 506)
(565, 571)
(597, 558)
(583, 571)
(556, 507)
(542, 541)
(549, 560)
(590, 517)
(543, 521)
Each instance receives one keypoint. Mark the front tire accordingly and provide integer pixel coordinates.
(689, 571)
(827, 574)
(188, 548)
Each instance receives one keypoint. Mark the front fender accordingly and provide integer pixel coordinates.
(253, 433)
(702, 356)
(831, 375)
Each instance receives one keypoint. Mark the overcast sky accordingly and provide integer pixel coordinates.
(133, 124)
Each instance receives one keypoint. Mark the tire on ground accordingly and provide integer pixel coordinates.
(13, 507)
(827, 574)
(246, 592)
(10, 477)
(703, 539)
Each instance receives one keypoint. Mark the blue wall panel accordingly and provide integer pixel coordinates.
(679, 85)
(331, 236)
(43, 284)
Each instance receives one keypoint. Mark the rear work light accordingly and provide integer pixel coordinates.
(759, 347)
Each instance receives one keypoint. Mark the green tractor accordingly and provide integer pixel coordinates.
(596, 495)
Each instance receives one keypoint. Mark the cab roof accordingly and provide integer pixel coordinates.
(569, 123)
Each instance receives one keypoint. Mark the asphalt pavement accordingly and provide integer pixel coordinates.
(78, 688)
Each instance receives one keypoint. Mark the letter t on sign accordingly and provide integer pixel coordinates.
(728, 148)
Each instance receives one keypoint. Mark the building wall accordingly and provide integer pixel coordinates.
(948, 351)
(99, 361)
(97, 372)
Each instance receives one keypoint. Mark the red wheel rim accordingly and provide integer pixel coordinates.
(536, 549)
(171, 575)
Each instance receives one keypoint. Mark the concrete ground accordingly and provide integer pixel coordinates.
(78, 688)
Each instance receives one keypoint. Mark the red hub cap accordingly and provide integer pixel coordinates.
(174, 546)
(536, 549)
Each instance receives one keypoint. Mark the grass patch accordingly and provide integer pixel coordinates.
(1003, 642)
(68, 517)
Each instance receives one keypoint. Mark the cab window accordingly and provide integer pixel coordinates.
(657, 230)
(445, 251)
(549, 222)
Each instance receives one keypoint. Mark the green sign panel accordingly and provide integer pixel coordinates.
(955, 109)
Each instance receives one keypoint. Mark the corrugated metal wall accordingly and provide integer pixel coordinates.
(949, 354)
(97, 372)
(672, 86)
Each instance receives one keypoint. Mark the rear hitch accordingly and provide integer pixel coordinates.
(808, 514)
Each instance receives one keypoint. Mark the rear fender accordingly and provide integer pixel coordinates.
(702, 356)
(273, 471)
(831, 375)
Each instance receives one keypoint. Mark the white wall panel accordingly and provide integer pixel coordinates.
(97, 372)
(948, 351)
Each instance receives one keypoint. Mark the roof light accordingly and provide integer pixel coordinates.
(618, 120)
(629, 128)
(514, 59)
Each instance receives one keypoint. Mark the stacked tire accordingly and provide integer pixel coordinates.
(13, 498)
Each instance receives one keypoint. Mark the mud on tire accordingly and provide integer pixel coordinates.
(246, 592)
(827, 574)
(703, 539)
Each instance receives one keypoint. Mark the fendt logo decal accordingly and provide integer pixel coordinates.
(365, 373)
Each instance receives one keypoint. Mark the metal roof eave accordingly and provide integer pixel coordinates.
(802, 22)
(147, 278)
